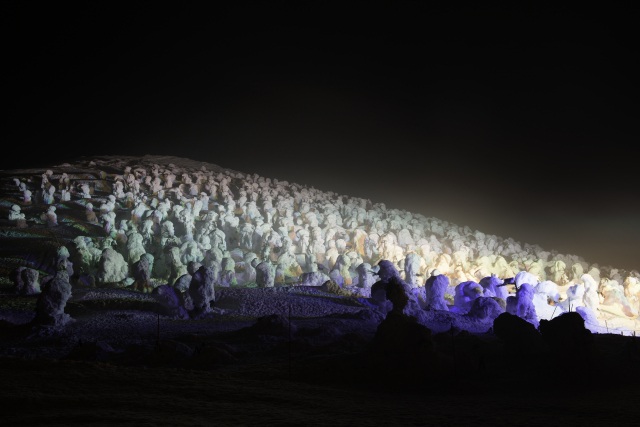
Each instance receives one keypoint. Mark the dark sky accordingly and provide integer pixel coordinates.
(519, 121)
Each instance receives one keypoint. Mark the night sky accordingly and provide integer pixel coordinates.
(519, 121)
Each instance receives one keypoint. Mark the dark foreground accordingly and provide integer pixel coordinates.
(290, 386)
(122, 363)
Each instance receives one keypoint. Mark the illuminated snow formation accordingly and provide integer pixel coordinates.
(158, 214)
